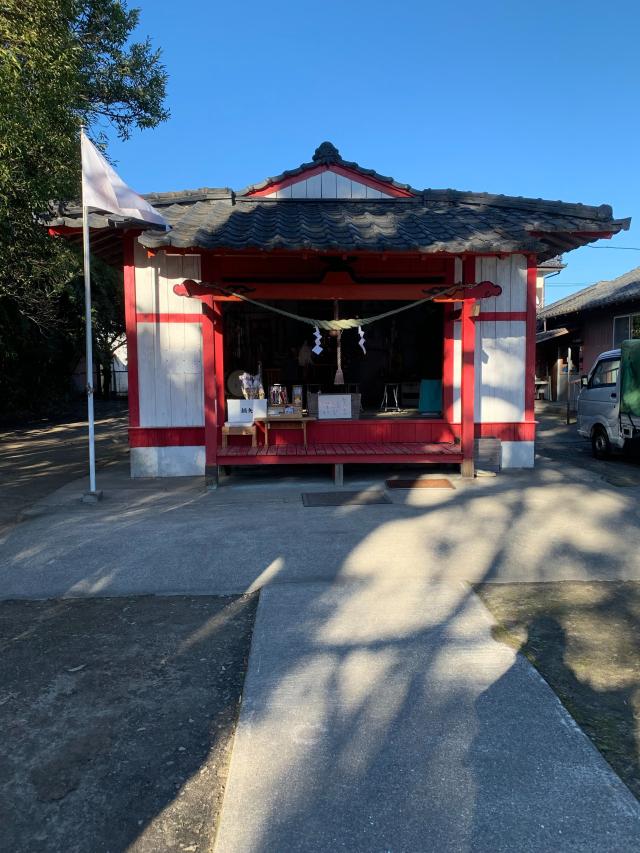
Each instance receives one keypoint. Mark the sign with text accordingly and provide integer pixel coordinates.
(334, 406)
(246, 411)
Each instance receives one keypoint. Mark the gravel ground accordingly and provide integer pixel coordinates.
(117, 718)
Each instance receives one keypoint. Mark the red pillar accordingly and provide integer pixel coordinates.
(219, 348)
(448, 364)
(467, 389)
(209, 382)
(131, 326)
(530, 357)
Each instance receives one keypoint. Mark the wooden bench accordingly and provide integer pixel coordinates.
(239, 429)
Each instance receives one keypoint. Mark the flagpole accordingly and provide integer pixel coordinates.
(88, 336)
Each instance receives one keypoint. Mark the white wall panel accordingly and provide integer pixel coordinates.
(167, 461)
(328, 184)
(170, 374)
(511, 274)
(517, 454)
(155, 280)
(500, 353)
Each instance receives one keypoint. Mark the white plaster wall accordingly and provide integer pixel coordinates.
(517, 454)
(500, 352)
(167, 461)
(170, 374)
(170, 370)
(156, 277)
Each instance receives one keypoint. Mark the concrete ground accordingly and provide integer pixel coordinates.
(36, 460)
(375, 697)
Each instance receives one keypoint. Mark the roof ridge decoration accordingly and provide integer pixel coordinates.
(326, 152)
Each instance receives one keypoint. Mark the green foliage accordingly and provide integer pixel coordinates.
(62, 63)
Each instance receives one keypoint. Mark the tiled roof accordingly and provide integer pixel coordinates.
(429, 220)
(436, 221)
(625, 288)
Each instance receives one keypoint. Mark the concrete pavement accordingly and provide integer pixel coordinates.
(559, 522)
(378, 713)
(381, 716)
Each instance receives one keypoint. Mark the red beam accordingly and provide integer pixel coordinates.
(343, 288)
(166, 436)
(482, 290)
(168, 318)
(336, 458)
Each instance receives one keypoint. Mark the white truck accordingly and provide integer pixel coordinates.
(609, 402)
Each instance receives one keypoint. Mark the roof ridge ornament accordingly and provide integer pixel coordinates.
(326, 152)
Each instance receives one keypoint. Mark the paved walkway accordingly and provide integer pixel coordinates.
(378, 713)
(381, 716)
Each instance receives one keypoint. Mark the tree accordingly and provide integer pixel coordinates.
(62, 63)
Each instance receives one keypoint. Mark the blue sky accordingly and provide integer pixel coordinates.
(537, 99)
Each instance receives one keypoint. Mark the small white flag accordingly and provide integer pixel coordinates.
(104, 189)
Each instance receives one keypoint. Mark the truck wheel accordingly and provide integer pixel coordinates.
(600, 444)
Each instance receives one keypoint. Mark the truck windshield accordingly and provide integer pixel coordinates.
(606, 373)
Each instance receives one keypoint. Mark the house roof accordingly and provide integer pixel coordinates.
(429, 220)
(625, 288)
(544, 336)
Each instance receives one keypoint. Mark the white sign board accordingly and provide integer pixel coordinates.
(333, 406)
(246, 411)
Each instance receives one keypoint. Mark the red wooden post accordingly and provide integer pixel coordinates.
(530, 332)
(209, 382)
(131, 326)
(448, 364)
(219, 364)
(467, 389)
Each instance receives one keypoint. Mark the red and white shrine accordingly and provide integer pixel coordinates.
(331, 237)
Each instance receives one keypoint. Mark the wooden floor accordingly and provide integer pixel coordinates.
(295, 454)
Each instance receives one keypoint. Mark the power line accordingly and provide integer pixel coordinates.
(617, 248)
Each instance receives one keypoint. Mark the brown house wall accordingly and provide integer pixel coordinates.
(597, 336)
(597, 331)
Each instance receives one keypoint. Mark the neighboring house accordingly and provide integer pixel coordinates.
(574, 330)
(547, 269)
(330, 239)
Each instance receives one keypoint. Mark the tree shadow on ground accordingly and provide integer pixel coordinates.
(119, 714)
(386, 715)
(583, 639)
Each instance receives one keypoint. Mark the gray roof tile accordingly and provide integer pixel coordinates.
(625, 288)
(429, 220)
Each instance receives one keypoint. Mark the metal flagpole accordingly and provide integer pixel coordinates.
(89, 335)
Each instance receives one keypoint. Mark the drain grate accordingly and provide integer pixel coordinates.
(434, 483)
(344, 498)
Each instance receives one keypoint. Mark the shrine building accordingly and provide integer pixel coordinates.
(439, 287)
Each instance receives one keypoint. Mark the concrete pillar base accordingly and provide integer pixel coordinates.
(467, 468)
